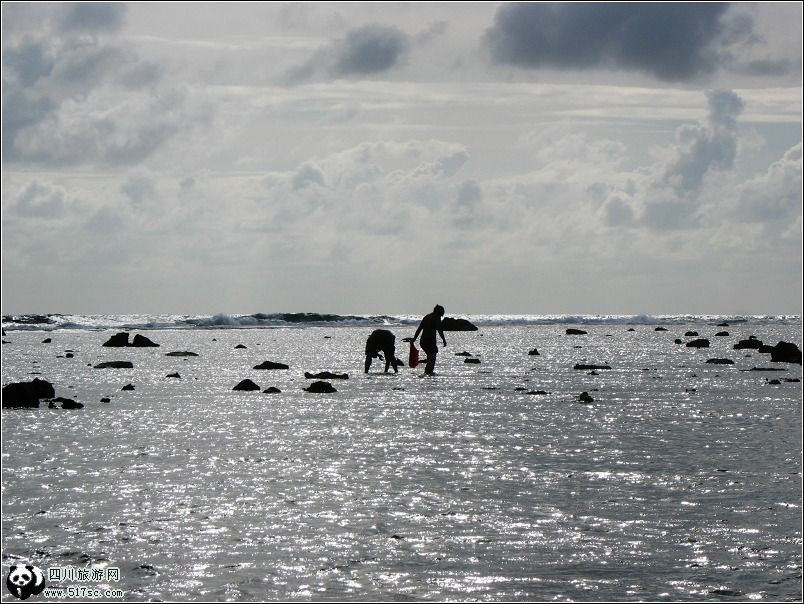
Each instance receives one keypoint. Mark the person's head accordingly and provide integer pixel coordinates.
(439, 310)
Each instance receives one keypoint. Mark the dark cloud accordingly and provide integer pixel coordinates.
(29, 61)
(39, 200)
(371, 49)
(671, 41)
(365, 51)
(93, 17)
(308, 174)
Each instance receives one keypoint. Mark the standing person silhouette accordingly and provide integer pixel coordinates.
(430, 325)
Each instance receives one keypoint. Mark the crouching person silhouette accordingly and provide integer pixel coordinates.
(382, 341)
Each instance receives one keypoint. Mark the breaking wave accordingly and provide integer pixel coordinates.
(53, 322)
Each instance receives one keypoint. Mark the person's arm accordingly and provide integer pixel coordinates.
(418, 331)
(441, 333)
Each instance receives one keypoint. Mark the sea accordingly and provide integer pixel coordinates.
(672, 479)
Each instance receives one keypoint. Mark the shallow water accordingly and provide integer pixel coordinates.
(681, 481)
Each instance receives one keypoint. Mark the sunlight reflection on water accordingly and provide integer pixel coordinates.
(439, 490)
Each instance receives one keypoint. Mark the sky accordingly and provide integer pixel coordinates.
(595, 158)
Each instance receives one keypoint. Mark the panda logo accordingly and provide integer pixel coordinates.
(24, 581)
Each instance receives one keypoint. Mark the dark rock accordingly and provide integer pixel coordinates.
(173, 375)
(678, 341)
(726, 592)
(534, 353)
(472, 361)
(46, 341)
(751, 343)
(64, 403)
(519, 389)
(69, 355)
(181, 353)
(26, 394)
(271, 365)
(118, 340)
(765, 349)
(575, 332)
(660, 329)
(720, 362)
(722, 334)
(539, 392)
(320, 388)
(326, 375)
(791, 380)
(584, 397)
(786, 352)
(127, 387)
(143, 342)
(451, 324)
(115, 365)
(240, 346)
(631, 329)
(701, 343)
(272, 390)
(690, 334)
(463, 354)
(774, 382)
(246, 385)
(106, 399)
(586, 367)
(724, 324)
(765, 369)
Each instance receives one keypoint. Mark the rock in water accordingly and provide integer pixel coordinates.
(584, 397)
(691, 334)
(450, 324)
(472, 361)
(181, 353)
(64, 403)
(118, 340)
(575, 332)
(128, 387)
(271, 365)
(534, 352)
(115, 365)
(272, 390)
(143, 342)
(586, 367)
(786, 352)
(26, 394)
(660, 329)
(320, 387)
(751, 343)
(720, 362)
(701, 343)
(246, 385)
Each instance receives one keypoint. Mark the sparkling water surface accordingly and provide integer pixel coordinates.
(682, 480)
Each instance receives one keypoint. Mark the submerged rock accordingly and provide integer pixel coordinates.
(587, 367)
(22, 395)
(272, 390)
(463, 354)
(246, 385)
(320, 388)
(64, 403)
(722, 334)
(271, 365)
(472, 361)
(181, 353)
(326, 375)
(115, 365)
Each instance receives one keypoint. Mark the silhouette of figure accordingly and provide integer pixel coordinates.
(430, 325)
(381, 340)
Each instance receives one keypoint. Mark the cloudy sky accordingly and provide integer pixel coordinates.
(382, 158)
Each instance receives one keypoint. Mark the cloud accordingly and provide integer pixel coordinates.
(671, 42)
(40, 200)
(364, 51)
(92, 17)
(70, 97)
(774, 196)
(370, 49)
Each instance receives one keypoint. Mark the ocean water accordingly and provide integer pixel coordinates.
(681, 481)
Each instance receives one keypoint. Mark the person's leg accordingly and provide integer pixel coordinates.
(368, 363)
(430, 366)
